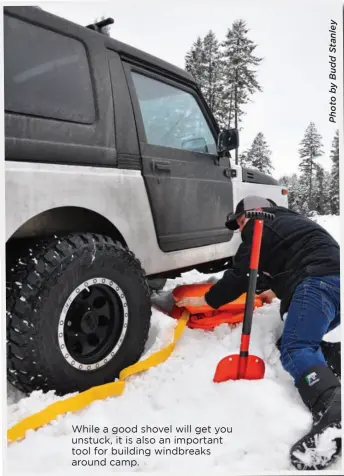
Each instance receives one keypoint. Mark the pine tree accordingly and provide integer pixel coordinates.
(243, 160)
(297, 188)
(334, 182)
(319, 193)
(309, 151)
(212, 73)
(302, 196)
(226, 74)
(195, 63)
(327, 193)
(298, 192)
(258, 155)
(239, 72)
(203, 62)
(291, 182)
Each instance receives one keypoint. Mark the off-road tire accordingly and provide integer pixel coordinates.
(38, 286)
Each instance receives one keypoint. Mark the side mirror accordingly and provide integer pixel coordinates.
(227, 140)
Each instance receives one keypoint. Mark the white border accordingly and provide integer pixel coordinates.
(3, 390)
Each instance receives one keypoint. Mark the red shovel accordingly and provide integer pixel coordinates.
(243, 365)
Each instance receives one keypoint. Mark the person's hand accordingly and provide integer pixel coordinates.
(267, 296)
(192, 301)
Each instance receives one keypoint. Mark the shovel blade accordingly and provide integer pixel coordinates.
(234, 368)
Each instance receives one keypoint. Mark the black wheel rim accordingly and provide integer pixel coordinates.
(93, 324)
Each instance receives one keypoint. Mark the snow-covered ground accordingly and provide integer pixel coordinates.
(264, 417)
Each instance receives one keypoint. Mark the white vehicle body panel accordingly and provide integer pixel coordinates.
(119, 196)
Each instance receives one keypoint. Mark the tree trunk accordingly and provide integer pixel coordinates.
(310, 187)
(236, 111)
(236, 99)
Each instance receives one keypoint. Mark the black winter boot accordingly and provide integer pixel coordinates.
(321, 392)
(331, 351)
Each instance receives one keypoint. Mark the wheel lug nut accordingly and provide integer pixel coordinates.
(69, 323)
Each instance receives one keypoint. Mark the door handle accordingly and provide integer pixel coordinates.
(161, 166)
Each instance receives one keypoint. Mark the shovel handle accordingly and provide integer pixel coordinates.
(259, 215)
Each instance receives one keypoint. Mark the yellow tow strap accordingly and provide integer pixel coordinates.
(83, 399)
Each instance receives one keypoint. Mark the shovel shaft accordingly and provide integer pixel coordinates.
(249, 306)
(256, 243)
(251, 293)
(244, 345)
(252, 283)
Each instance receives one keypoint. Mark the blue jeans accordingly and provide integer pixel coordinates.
(314, 310)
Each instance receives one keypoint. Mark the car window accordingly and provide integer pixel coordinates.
(46, 74)
(172, 117)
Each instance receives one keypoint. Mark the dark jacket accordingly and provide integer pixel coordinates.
(293, 248)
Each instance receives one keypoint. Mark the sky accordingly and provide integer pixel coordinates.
(293, 38)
